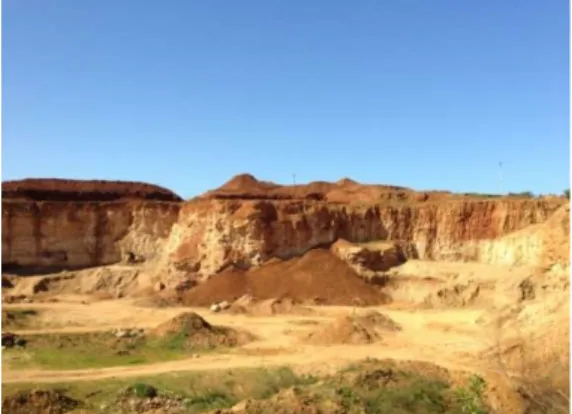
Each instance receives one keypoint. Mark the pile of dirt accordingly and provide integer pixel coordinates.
(250, 306)
(344, 191)
(52, 189)
(355, 330)
(39, 402)
(247, 187)
(198, 333)
(317, 276)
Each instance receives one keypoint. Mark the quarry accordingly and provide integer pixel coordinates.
(254, 297)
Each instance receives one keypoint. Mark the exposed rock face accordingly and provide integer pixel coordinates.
(213, 234)
(65, 234)
(75, 235)
(367, 259)
(461, 229)
(543, 244)
(247, 222)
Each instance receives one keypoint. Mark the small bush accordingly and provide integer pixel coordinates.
(470, 399)
(524, 194)
(210, 400)
(141, 390)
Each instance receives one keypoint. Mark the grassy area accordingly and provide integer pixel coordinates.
(201, 392)
(382, 387)
(96, 350)
(371, 387)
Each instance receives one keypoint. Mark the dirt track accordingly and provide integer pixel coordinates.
(426, 337)
(453, 336)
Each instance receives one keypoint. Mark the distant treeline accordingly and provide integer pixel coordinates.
(524, 194)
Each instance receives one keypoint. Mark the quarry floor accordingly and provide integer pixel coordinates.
(466, 326)
(451, 337)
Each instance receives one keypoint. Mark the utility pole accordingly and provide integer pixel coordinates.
(501, 178)
(294, 178)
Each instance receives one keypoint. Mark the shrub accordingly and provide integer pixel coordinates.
(141, 390)
(470, 399)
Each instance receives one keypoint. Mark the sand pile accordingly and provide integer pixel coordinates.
(247, 187)
(38, 402)
(318, 275)
(195, 332)
(355, 329)
(251, 306)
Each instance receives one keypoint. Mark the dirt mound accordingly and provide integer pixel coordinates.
(345, 190)
(251, 306)
(246, 183)
(317, 274)
(39, 402)
(247, 187)
(196, 332)
(52, 189)
(356, 329)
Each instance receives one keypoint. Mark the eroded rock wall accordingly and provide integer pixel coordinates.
(251, 222)
(213, 234)
(51, 234)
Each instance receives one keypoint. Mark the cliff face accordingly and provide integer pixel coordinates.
(75, 235)
(41, 235)
(462, 229)
(213, 234)
(248, 223)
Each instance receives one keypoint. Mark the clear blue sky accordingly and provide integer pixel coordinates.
(185, 94)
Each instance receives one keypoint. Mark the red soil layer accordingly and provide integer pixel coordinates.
(247, 187)
(317, 275)
(52, 189)
(344, 191)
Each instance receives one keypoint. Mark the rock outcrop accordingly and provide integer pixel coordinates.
(369, 258)
(247, 222)
(214, 234)
(57, 233)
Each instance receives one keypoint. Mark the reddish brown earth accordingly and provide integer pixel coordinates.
(247, 222)
(317, 276)
(54, 189)
(266, 240)
(247, 187)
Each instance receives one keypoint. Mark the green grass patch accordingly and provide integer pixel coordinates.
(368, 388)
(372, 387)
(201, 391)
(96, 350)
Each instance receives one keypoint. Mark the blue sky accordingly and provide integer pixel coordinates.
(185, 94)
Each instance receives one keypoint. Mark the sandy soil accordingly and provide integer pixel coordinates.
(441, 322)
(450, 336)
